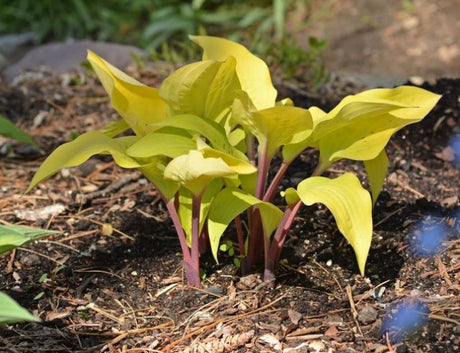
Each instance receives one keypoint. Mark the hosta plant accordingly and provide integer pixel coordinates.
(207, 139)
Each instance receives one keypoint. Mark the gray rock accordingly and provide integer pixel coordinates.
(367, 315)
(3, 62)
(30, 260)
(65, 57)
(10, 42)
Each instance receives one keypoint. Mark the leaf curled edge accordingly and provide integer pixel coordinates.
(350, 205)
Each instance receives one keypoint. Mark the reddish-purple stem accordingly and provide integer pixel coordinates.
(179, 230)
(255, 253)
(262, 172)
(273, 187)
(195, 252)
(278, 240)
(240, 235)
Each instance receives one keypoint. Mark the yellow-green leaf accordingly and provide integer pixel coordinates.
(361, 125)
(76, 152)
(186, 89)
(241, 166)
(228, 204)
(376, 172)
(137, 104)
(157, 143)
(252, 72)
(194, 171)
(273, 127)
(205, 89)
(290, 195)
(115, 128)
(350, 205)
(154, 172)
(204, 127)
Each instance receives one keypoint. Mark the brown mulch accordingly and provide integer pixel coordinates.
(111, 280)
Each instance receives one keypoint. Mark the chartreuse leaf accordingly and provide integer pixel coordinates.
(239, 165)
(350, 205)
(222, 90)
(252, 72)
(8, 129)
(273, 127)
(115, 128)
(157, 143)
(154, 172)
(208, 129)
(76, 152)
(194, 171)
(361, 125)
(12, 236)
(359, 131)
(205, 89)
(294, 148)
(419, 100)
(11, 312)
(186, 89)
(376, 172)
(228, 204)
(136, 103)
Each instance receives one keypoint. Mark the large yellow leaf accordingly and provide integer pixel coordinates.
(350, 205)
(273, 127)
(157, 143)
(186, 89)
(252, 72)
(76, 152)
(360, 126)
(206, 128)
(137, 104)
(205, 89)
(194, 171)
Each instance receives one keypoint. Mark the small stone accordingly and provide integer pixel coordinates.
(30, 260)
(331, 332)
(295, 316)
(317, 346)
(367, 315)
(416, 80)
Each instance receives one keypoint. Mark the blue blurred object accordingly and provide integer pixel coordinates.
(428, 238)
(455, 145)
(403, 320)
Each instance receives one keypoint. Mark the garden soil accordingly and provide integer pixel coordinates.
(112, 280)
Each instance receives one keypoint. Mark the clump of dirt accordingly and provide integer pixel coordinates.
(112, 280)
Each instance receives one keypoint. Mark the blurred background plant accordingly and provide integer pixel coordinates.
(162, 27)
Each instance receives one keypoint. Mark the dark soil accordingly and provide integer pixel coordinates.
(112, 280)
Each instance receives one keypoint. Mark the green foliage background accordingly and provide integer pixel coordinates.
(163, 26)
